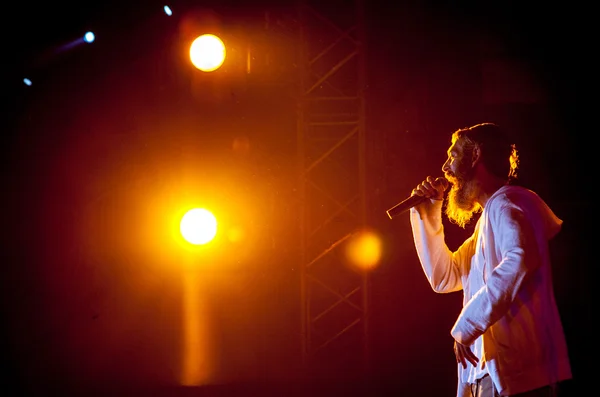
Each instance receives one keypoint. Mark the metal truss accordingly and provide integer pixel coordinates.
(331, 167)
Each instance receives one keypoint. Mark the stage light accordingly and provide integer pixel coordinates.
(168, 10)
(27, 81)
(364, 250)
(89, 37)
(198, 226)
(207, 53)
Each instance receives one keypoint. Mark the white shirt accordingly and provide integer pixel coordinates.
(509, 316)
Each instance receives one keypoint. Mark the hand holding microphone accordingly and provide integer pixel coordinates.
(430, 188)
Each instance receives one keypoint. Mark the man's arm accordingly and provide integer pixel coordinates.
(437, 261)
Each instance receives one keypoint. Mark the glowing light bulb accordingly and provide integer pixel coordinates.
(89, 37)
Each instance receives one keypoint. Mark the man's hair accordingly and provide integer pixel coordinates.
(499, 155)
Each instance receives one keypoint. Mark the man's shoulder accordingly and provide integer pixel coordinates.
(513, 194)
(511, 198)
(526, 202)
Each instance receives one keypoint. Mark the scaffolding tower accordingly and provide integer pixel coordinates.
(331, 148)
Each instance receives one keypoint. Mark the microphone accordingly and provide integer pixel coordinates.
(413, 200)
(405, 205)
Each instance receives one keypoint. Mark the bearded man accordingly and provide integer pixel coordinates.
(508, 337)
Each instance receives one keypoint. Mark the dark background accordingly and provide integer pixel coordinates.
(103, 120)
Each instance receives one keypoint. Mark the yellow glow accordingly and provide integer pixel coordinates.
(236, 234)
(364, 250)
(198, 226)
(197, 353)
(207, 53)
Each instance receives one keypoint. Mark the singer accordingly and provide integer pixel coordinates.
(508, 338)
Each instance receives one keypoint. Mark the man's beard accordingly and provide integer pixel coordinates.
(460, 202)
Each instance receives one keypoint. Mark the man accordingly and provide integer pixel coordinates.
(508, 338)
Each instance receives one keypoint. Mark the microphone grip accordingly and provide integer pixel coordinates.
(405, 205)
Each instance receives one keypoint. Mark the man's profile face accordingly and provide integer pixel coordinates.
(460, 172)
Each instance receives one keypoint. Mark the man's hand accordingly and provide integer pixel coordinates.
(432, 188)
(463, 354)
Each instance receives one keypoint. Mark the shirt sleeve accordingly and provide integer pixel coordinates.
(436, 258)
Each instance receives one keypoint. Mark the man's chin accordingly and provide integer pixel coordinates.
(451, 180)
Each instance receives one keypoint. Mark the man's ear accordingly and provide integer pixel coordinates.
(476, 155)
